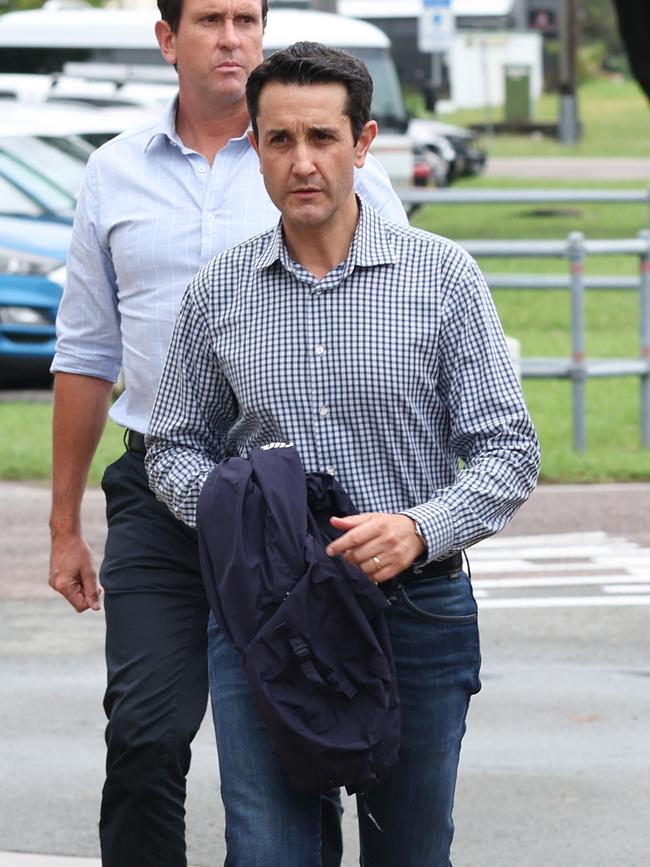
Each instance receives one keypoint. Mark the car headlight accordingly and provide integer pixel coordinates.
(22, 316)
(30, 264)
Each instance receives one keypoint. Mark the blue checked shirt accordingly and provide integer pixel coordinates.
(151, 212)
(391, 373)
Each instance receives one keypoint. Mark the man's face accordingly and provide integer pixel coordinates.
(307, 151)
(216, 46)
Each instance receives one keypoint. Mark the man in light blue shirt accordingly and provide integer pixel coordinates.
(157, 203)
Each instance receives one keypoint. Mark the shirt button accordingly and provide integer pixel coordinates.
(331, 471)
(324, 410)
(320, 350)
(318, 291)
(210, 218)
(201, 170)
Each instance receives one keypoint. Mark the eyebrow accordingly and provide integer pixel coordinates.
(312, 129)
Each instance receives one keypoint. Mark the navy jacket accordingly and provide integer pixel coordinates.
(311, 628)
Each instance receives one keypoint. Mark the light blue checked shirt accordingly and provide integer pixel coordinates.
(387, 373)
(151, 212)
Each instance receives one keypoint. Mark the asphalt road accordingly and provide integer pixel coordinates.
(555, 761)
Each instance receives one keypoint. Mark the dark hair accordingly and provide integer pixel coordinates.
(170, 11)
(312, 63)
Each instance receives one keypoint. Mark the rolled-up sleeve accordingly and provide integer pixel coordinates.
(88, 322)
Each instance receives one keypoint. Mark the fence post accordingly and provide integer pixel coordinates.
(644, 336)
(576, 256)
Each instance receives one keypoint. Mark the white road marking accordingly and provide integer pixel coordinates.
(565, 602)
(612, 571)
(555, 581)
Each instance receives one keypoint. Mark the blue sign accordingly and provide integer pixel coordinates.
(436, 26)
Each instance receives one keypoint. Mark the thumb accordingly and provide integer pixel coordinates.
(91, 589)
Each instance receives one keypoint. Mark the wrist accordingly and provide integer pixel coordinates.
(65, 526)
(417, 530)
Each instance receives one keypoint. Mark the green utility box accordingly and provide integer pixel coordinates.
(517, 93)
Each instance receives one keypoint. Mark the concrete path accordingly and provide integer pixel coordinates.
(569, 168)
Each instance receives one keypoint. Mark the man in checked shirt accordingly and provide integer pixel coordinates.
(376, 349)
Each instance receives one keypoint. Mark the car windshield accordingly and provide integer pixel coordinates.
(14, 201)
(46, 169)
(387, 103)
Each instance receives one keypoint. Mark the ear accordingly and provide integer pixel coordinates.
(368, 135)
(166, 40)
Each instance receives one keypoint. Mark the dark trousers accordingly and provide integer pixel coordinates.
(156, 695)
(157, 687)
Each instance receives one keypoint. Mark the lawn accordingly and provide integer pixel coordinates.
(25, 442)
(540, 320)
(614, 115)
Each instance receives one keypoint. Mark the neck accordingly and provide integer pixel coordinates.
(206, 129)
(320, 249)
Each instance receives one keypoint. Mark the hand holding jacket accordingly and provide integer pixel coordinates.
(381, 544)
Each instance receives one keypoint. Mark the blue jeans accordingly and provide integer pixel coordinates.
(434, 634)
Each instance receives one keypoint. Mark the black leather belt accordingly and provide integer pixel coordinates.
(435, 569)
(134, 441)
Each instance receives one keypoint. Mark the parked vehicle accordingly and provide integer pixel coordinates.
(45, 40)
(43, 153)
(32, 273)
(458, 147)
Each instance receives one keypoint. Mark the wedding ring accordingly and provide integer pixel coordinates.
(377, 561)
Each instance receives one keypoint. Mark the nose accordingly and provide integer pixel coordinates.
(228, 36)
(303, 163)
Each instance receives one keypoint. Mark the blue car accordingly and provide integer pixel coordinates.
(33, 253)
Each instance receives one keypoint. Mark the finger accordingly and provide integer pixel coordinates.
(383, 574)
(361, 534)
(366, 551)
(91, 589)
(349, 521)
(73, 592)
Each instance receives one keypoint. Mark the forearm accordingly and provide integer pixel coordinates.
(177, 476)
(485, 496)
(81, 406)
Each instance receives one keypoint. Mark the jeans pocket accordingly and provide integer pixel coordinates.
(447, 599)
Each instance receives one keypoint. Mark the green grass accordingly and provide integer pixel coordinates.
(540, 320)
(25, 432)
(615, 117)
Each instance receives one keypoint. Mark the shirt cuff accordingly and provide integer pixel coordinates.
(437, 527)
(101, 369)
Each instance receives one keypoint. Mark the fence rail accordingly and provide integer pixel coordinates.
(417, 196)
(575, 248)
(578, 368)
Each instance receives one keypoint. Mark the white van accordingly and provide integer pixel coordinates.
(119, 45)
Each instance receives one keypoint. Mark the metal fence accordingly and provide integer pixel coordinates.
(415, 197)
(578, 368)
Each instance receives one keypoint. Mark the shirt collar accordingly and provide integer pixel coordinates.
(371, 244)
(166, 128)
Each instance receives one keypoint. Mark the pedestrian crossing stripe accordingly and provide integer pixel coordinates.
(545, 571)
